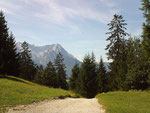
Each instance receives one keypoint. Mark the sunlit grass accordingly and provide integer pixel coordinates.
(15, 91)
(125, 102)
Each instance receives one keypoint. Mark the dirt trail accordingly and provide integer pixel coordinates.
(68, 105)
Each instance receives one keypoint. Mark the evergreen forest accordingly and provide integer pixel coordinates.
(129, 68)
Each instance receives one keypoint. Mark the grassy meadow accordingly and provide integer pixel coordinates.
(125, 102)
(15, 91)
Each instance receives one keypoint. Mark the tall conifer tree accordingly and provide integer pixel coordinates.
(146, 32)
(101, 77)
(8, 54)
(61, 73)
(49, 77)
(27, 69)
(38, 76)
(87, 83)
(137, 76)
(117, 52)
(13, 57)
(74, 77)
(3, 44)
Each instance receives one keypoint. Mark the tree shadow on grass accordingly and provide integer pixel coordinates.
(14, 79)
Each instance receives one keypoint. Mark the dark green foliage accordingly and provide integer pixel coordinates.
(74, 77)
(3, 43)
(27, 69)
(130, 62)
(102, 77)
(38, 76)
(137, 76)
(116, 38)
(60, 70)
(117, 52)
(146, 39)
(13, 57)
(87, 85)
(146, 10)
(146, 32)
(49, 76)
(8, 55)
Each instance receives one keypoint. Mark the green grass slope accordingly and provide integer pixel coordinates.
(125, 102)
(15, 91)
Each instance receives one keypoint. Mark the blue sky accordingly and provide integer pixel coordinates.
(78, 25)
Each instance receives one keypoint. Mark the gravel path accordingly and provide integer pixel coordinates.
(68, 105)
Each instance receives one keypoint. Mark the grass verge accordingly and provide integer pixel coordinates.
(15, 91)
(125, 102)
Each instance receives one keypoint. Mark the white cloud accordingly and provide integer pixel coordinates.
(62, 12)
(8, 6)
(52, 10)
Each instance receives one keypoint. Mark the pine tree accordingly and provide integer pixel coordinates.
(146, 32)
(60, 70)
(87, 84)
(8, 54)
(39, 75)
(49, 76)
(27, 69)
(116, 38)
(102, 77)
(137, 76)
(3, 43)
(117, 52)
(74, 77)
(13, 57)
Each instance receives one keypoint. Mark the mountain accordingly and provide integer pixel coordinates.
(44, 54)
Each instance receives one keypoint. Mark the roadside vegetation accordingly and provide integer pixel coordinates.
(129, 70)
(15, 91)
(125, 102)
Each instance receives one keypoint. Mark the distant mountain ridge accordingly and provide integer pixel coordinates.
(43, 54)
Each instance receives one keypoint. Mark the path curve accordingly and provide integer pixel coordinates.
(68, 105)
